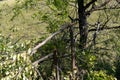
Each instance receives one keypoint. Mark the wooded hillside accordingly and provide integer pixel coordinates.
(60, 40)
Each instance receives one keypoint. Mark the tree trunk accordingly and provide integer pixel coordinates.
(82, 24)
(73, 52)
(56, 65)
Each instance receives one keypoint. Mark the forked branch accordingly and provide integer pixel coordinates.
(90, 3)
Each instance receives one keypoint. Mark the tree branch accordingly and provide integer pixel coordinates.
(95, 8)
(42, 59)
(90, 3)
(98, 9)
(103, 4)
(110, 8)
(49, 56)
(64, 26)
(106, 28)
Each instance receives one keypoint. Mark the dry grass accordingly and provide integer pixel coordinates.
(22, 25)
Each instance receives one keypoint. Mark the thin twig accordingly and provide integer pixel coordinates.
(42, 59)
(106, 28)
(38, 72)
(19, 71)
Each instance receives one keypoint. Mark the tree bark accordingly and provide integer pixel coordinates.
(73, 52)
(56, 65)
(82, 24)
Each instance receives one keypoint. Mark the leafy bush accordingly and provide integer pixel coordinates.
(99, 75)
(15, 62)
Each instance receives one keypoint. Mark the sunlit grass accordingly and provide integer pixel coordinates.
(22, 25)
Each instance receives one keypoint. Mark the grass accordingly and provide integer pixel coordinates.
(22, 25)
(9, 2)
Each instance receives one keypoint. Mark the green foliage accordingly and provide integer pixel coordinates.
(25, 4)
(99, 75)
(14, 63)
(86, 60)
(59, 4)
